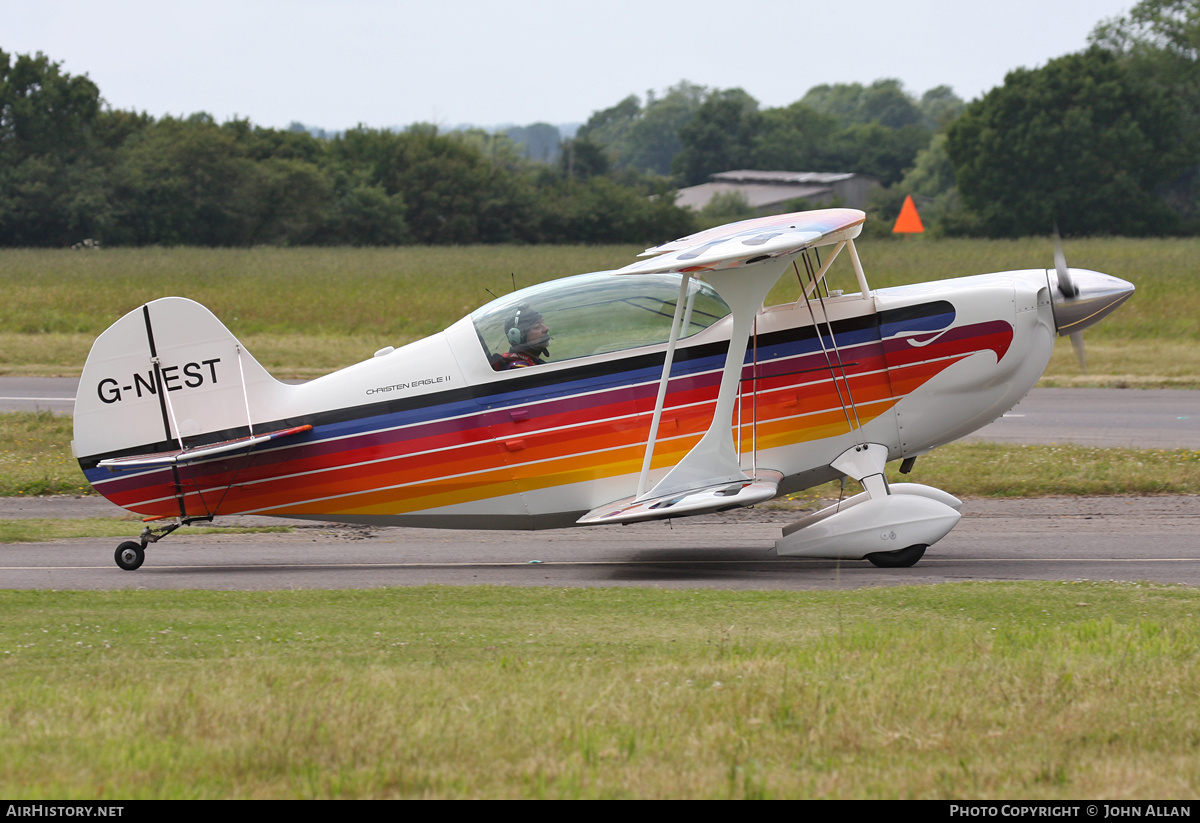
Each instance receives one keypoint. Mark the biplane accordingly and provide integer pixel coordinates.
(663, 389)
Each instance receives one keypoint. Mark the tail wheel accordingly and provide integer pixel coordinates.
(901, 559)
(130, 555)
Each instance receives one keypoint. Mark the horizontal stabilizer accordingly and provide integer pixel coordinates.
(692, 501)
(181, 456)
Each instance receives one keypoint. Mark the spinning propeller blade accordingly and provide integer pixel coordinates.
(1080, 354)
(1081, 297)
(1069, 291)
(1065, 284)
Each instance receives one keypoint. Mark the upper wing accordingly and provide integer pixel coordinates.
(750, 241)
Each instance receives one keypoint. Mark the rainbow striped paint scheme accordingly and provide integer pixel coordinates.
(518, 436)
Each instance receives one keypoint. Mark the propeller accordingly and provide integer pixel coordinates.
(1080, 297)
(1070, 292)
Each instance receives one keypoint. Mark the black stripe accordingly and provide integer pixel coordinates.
(535, 377)
(158, 383)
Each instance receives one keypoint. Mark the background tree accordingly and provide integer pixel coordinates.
(365, 215)
(940, 107)
(796, 138)
(51, 190)
(183, 181)
(1160, 41)
(653, 140)
(452, 193)
(583, 158)
(881, 126)
(539, 142)
(43, 111)
(610, 128)
(720, 137)
(884, 102)
(1155, 27)
(726, 207)
(601, 210)
(875, 149)
(645, 138)
(1081, 142)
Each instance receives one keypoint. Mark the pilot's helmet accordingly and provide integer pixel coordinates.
(517, 326)
(516, 329)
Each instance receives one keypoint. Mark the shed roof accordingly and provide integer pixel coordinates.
(764, 189)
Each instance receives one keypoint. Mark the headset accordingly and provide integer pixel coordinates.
(518, 337)
(515, 336)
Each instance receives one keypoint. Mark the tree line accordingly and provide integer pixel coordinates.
(1104, 141)
(692, 132)
(72, 169)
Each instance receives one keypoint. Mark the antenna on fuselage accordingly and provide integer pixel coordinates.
(513, 275)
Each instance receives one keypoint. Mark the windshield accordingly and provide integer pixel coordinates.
(593, 314)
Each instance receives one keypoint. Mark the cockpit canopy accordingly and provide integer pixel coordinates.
(598, 313)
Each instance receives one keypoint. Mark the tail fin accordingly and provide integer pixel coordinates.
(167, 374)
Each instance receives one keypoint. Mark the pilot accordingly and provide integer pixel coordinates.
(528, 340)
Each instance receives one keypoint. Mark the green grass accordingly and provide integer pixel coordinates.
(1038, 691)
(35, 456)
(36, 530)
(1005, 470)
(304, 312)
(1126, 364)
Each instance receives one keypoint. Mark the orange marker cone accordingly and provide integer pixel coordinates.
(909, 222)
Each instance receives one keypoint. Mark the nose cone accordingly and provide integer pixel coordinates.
(1084, 297)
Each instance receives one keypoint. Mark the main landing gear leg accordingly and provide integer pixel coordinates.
(131, 555)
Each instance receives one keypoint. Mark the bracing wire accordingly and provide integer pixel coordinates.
(836, 351)
(846, 401)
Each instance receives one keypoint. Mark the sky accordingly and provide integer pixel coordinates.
(335, 64)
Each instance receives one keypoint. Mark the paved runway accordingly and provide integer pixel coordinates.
(1137, 418)
(1133, 539)
(56, 394)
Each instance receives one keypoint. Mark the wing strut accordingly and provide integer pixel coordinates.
(714, 460)
(820, 275)
(676, 325)
(858, 271)
(709, 477)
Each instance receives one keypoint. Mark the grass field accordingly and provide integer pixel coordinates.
(1039, 691)
(304, 312)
